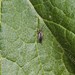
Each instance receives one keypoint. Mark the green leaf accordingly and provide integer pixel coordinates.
(21, 53)
(59, 16)
(0, 37)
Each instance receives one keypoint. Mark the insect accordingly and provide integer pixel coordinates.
(40, 36)
(40, 33)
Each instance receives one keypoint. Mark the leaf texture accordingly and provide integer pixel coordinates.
(21, 54)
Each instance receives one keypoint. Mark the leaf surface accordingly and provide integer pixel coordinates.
(21, 54)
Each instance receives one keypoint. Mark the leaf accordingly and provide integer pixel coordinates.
(60, 19)
(0, 37)
(21, 54)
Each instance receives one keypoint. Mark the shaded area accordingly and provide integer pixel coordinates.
(66, 40)
(61, 25)
(50, 10)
